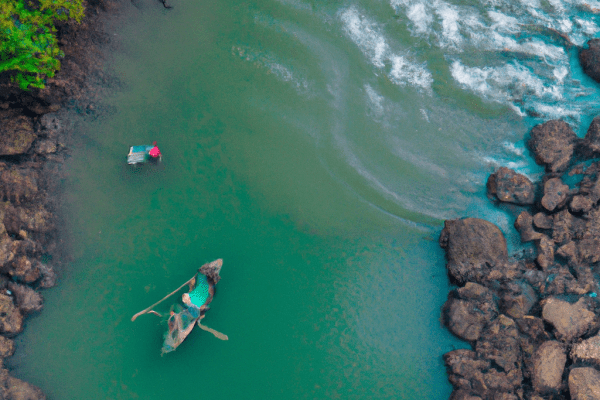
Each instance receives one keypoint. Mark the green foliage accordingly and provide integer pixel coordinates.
(28, 42)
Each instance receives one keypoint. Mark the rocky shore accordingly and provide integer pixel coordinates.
(532, 322)
(33, 136)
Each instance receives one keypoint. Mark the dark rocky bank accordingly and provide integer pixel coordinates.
(532, 322)
(33, 136)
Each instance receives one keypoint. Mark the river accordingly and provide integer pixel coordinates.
(316, 147)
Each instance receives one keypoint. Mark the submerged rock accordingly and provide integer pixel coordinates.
(473, 246)
(12, 388)
(7, 347)
(11, 319)
(27, 299)
(552, 144)
(508, 186)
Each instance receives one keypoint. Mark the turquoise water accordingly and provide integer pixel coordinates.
(316, 147)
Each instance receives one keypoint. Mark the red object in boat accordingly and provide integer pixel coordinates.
(155, 151)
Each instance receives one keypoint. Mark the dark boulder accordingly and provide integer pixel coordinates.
(465, 370)
(584, 384)
(589, 250)
(590, 183)
(468, 310)
(581, 203)
(542, 221)
(524, 225)
(555, 194)
(560, 281)
(499, 343)
(18, 185)
(552, 144)
(531, 335)
(7, 347)
(570, 321)
(591, 230)
(587, 351)
(508, 186)
(548, 366)
(16, 133)
(476, 377)
(590, 59)
(545, 251)
(463, 395)
(473, 246)
(566, 227)
(517, 299)
(590, 145)
(33, 219)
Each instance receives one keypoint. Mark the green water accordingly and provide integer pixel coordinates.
(332, 281)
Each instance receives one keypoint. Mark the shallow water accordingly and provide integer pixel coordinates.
(316, 147)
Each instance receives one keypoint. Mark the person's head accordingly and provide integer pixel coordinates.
(186, 299)
(154, 143)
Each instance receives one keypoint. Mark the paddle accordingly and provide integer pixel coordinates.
(149, 309)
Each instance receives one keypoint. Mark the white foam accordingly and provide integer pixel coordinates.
(420, 16)
(450, 27)
(510, 146)
(560, 73)
(504, 83)
(588, 27)
(504, 22)
(522, 30)
(517, 166)
(404, 72)
(367, 35)
(557, 4)
(554, 111)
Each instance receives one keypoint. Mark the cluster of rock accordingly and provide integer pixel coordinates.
(31, 151)
(532, 323)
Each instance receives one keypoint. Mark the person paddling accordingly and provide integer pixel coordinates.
(155, 151)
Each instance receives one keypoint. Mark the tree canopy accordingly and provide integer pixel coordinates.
(28, 42)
